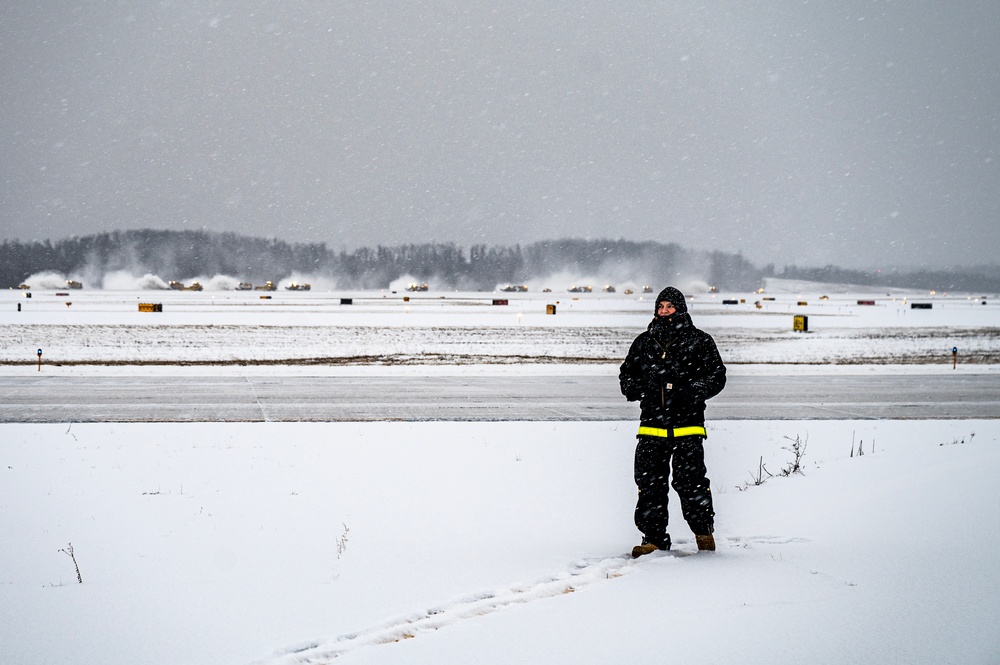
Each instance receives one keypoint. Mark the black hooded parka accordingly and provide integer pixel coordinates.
(672, 368)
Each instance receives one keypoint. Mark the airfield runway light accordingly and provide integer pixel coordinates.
(954, 357)
(39, 360)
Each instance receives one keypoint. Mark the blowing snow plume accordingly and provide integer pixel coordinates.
(46, 281)
(123, 281)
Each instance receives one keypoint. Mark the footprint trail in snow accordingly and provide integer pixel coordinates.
(581, 573)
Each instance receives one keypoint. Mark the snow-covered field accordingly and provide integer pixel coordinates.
(294, 328)
(213, 543)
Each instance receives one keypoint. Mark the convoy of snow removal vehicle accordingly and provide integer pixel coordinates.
(298, 286)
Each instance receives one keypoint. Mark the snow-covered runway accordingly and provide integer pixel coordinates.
(479, 397)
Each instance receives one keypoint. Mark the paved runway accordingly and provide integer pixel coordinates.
(479, 398)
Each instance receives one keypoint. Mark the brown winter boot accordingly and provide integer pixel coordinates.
(705, 543)
(641, 550)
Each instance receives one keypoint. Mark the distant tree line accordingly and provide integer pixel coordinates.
(164, 253)
(181, 255)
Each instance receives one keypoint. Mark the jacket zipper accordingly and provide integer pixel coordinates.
(663, 356)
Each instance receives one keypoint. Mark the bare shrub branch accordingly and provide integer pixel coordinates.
(798, 450)
(68, 551)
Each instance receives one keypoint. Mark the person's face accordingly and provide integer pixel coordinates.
(664, 308)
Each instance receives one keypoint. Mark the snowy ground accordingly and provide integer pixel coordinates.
(211, 543)
(491, 543)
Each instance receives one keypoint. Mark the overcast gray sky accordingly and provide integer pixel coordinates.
(863, 133)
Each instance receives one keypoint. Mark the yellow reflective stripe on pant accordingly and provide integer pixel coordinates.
(675, 432)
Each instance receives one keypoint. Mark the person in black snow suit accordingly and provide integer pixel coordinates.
(671, 369)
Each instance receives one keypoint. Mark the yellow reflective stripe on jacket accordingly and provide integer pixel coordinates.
(677, 431)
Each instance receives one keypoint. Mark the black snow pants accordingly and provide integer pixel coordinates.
(653, 457)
